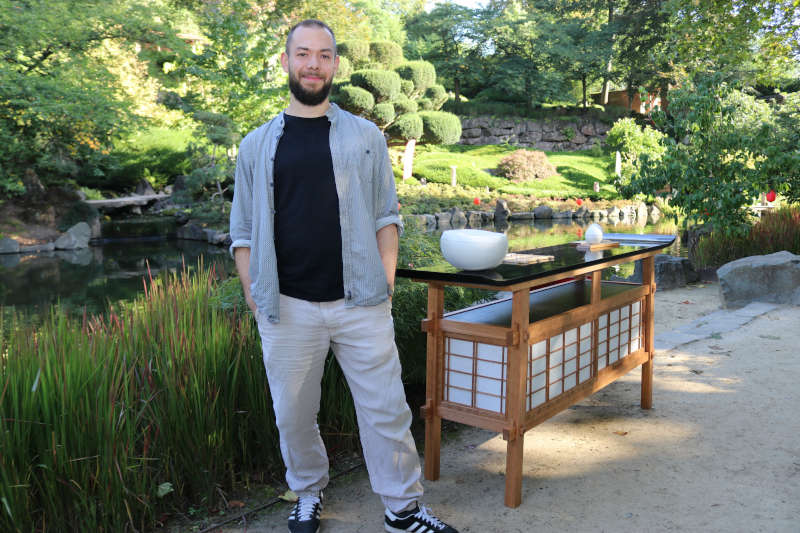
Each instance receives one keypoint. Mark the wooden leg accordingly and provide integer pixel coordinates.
(516, 400)
(514, 471)
(648, 278)
(433, 386)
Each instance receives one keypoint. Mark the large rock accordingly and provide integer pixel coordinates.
(144, 188)
(501, 210)
(543, 211)
(762, 278)
(457, 218)
(673, 272)
(75, 238)
(191, 232)
(8, 246)
(474, 219)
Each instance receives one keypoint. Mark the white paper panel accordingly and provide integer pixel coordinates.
(490, 403)
(459, 347)
(490, 352)
(459, 396)
(456, 362)
(492, 370)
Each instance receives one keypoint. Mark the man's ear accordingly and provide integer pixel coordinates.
(285, 62)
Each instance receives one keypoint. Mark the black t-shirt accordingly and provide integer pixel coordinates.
(308, 236)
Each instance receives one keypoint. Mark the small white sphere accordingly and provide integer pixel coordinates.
(594, 234)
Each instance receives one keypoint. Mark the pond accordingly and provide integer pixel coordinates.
(93, 277)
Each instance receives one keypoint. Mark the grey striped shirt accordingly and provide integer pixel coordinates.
(367, 202)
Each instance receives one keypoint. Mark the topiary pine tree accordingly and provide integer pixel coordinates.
(401, 97)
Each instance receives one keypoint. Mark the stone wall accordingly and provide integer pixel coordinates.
(549, 135)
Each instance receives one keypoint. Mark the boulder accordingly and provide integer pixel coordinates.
(144, 188)
(8, 246)
(673, 272)
(773, 278)
(191, 232)
(75, 238)
(614, 212)
(457, 218)
(581, 213)
(563, 214)
(215, 237)
(522, 215)
(641, 211)
(474, 219)
(443, 219)
(543, 211)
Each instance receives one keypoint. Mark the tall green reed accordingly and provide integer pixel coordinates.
(108, 421)
(776, 230)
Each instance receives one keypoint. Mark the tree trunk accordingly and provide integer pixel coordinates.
(583, 85)
(457, 91)
(604, 93)
(408, 158)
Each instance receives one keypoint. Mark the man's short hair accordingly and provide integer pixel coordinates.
(309, 23)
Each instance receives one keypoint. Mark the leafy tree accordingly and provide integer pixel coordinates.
(448, 37)
(726, 148)
(61, 108)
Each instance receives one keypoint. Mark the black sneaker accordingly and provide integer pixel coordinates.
(305, 514)
(419, 520)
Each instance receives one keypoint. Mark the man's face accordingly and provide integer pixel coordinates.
(311, 64)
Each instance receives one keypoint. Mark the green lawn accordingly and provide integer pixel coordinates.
(577, 171)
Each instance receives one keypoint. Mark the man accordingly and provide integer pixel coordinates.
(314, 224)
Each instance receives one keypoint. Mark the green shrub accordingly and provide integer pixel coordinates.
(631, 141)
(386, 53)
(437, 95)
(440, 127)
(160, 153)
(425, 104)
(345, 69)
(355, 99)
(403, 104)
(383, 114)
(406, 126)
(383, 84)
(356, 51)
(421, 73)
(526, 165)
(407, 87)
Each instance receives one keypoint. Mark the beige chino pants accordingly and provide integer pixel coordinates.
(362, 338)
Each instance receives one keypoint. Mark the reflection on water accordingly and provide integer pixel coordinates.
(94, 276)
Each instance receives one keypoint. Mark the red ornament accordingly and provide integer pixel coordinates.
(398, 206)
(580, 232)
(476, 201)
(771, 195)
(579, 201)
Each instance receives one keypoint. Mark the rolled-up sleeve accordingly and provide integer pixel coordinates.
(241, 220)
(385, 200)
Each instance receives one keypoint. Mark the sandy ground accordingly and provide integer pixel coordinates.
(719, 451)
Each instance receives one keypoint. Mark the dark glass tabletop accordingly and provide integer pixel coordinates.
(566, 257)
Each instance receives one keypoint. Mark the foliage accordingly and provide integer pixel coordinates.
(61, 109)
(631, 140)
(407, 126)
(386, 53)
(440, 127)
(421, 73)
(526, 165)
(403, 104)
(437, 95)
(158, 152)
(212, 164)
(355, 99)
(356, 51)
(383, 114)
(384, 85)
(775, 231)
(345, 69)
(718, 158)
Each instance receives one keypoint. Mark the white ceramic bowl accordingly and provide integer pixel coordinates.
(473, 249)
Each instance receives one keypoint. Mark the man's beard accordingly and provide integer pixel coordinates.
(309, 98)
